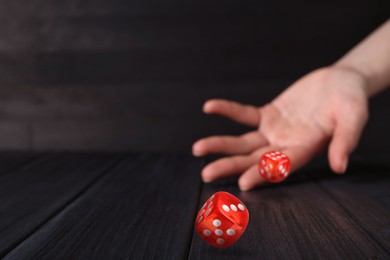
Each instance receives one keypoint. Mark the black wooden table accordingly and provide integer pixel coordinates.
(143, 206)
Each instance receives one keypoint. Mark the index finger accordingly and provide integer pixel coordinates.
(245, 114)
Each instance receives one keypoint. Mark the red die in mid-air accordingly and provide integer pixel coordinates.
(222, 220)
(274, 166)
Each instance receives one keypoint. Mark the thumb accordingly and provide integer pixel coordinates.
(345, 138)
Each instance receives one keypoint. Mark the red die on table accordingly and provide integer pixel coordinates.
(274, 166)
(222, 220)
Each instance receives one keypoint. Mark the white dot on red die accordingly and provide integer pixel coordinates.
(265, 169)
(225, 208)
(206, 232)
(262, 162)
(230, 232)
(280, 167)
(200, 219)
(218, 232)
(216, 222)
(270, 166)
(241, 207)
(261, 171)
(220, 241)
(233, 207)
(268, 175)
(211, 203)
(208, 212)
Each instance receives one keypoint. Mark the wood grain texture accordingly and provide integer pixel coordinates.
(15, 135)
(143, 206)
(100, 74)
(10, 161)
(117, 117)
(122, 25)
(299, 220)
(142, 209)
(364, 195)
(35, 192)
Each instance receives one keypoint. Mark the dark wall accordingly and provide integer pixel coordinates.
(125, 75)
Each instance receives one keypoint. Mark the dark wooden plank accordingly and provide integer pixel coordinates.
(11, 160)
(231, 42)
(117, 117)
(15, 135)
(76, 7)
(138, 25)
(293, 220)
(32, 194)
(142, 209)
(98, 102)
(110, 67)
(364, 194)
(63, 61)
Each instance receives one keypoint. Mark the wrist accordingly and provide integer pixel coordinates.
(370, 58)
(367, 81)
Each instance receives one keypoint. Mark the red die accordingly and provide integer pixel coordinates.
(222, 220)
(274, 166)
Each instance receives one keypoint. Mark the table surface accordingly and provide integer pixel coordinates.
(83, 205)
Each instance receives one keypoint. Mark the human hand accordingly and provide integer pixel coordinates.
(327, 106)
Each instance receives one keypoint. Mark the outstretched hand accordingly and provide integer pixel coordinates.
(327, 106)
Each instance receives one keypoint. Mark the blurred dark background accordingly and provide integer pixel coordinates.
(125, 75)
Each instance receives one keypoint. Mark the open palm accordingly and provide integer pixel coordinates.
(327, 105)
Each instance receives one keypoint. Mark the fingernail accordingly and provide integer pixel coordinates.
(244, 188)
(206, 176)
(196, 153)
(206, 107)
(206, 180)
(345, 165)
(195, 149)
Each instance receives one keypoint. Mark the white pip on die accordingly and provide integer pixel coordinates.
(222, 220)
(274, 166)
